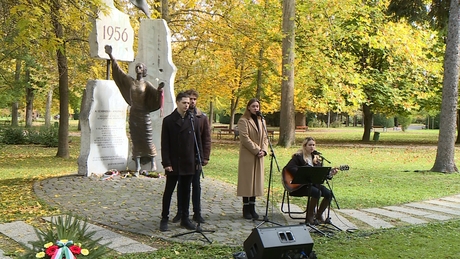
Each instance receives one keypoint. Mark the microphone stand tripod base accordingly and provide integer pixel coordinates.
(197, 230)
(266, 220)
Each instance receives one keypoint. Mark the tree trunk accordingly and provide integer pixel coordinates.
(165, 10)
(15, 105)
(259, 74)
(63, 133)
(14, 114)
(446, 142)
(367, 122)
(287, 126)
(458, 130)
(29, 100)
(49, 100)
(234, 103)
(211, 114)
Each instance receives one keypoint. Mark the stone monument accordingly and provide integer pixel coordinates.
(104, 142)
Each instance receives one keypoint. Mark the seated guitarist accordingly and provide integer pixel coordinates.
(304, 157)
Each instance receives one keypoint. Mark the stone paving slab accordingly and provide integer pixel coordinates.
(373, 221)
(20, 232)
(418, 212)
(452, 199)
(396, 215)
(427, 206)
(440, 202)
(341, 222)
(336, 219)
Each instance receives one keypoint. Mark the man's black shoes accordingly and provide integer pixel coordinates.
(176, 218)
(197, 218)
(186, 223)
(164, 225)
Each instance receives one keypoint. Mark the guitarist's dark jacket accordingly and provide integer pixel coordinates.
(292, 166)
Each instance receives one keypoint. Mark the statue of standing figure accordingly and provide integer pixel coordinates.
(143, 98)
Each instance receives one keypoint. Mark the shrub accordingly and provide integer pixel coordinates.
(336, 124)
(14, 136)
(48, 136)
(315, 123)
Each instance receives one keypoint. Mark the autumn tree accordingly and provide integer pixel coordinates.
(389, 58)
(53, 27)
(445, 155)
(218, 52)
(325, 77)
(441, 14)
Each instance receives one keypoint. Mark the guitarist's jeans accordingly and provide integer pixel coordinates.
(317, 191)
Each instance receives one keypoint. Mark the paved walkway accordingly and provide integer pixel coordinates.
(134, 205)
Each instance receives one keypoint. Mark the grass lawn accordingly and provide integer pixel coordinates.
(391, 171)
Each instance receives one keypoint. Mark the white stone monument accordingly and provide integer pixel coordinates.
(104, 143)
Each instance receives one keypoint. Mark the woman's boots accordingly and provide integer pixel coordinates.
(311, 210)
(249, 210)
(322, 207)
(252, 207)
(246, 209)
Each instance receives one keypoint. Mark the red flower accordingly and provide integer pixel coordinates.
(76, 250)
(50, 251)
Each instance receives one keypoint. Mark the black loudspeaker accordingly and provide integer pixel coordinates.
(279, 243)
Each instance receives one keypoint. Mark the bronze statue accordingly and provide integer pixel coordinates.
(142, 5)
(143, 98)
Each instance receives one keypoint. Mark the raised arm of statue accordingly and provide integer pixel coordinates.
(122, 80)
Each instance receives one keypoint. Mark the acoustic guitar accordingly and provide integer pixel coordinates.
(288, 177)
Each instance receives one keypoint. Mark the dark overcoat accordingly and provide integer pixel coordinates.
(178, 143)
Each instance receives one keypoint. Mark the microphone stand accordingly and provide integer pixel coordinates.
(272, 158)
(328, 220)
(200, 167)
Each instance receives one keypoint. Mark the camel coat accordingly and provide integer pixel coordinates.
(251, 167)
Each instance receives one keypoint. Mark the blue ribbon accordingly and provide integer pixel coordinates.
(64, 250)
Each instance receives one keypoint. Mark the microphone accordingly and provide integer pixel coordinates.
(316, 152)
(258, 113)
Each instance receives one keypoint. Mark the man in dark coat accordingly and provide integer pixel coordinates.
(204, 131)
(179, 158)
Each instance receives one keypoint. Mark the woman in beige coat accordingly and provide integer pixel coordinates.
(253, 149)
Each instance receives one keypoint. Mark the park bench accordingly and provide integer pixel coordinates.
(235, 133)
(375, 127)
(227, 131)
(271, 134)
(301, 128)
(216, 129)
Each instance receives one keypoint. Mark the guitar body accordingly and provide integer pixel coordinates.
(288, 177)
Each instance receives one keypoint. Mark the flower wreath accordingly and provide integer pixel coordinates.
(62, 249)
(67, 237)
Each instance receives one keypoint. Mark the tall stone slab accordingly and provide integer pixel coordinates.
(154, 50)
(104, 143)
(112, 27)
